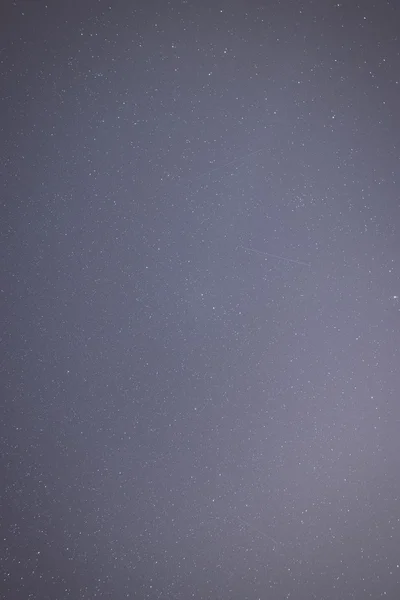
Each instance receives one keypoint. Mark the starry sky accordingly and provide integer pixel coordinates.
(200, 299)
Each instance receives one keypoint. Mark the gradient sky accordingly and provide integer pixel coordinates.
(200, 300)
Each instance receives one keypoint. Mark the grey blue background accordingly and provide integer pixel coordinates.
(200, 305)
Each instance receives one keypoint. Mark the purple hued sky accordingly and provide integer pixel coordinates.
(200, 300)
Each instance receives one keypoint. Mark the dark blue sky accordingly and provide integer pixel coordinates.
(200, 306)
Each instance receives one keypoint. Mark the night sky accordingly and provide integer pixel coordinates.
(200, 300)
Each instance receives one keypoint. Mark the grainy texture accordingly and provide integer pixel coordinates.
(200, 308)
